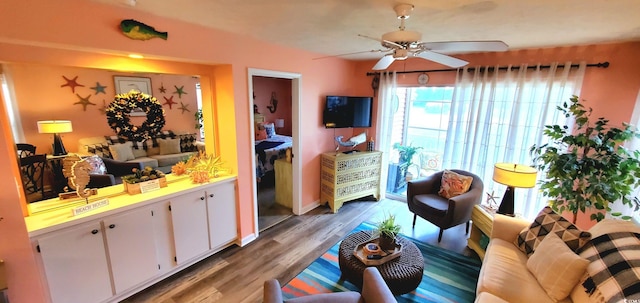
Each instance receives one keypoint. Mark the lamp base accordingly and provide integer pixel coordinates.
(506, 206)
(58, 146)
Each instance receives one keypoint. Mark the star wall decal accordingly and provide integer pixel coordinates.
(99, 88)
(180, 91)
(169, 101)
(103, 109)
(84, 101)
(73, 83)
(162, 89)
(184, 107)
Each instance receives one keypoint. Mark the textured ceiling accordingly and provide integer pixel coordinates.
(331, 27)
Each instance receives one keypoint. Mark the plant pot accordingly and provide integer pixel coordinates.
(136, 188)
(386, 242)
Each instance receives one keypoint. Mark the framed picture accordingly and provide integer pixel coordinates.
(125, 84)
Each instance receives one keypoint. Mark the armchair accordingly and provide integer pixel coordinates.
(114, 170)
(423, 200)
(374, 289)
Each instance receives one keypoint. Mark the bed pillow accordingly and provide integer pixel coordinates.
(270, 128)
(169, 146)
(261, 134)
(556, 267)
(122, 152)
(548, 222)
(454, 184)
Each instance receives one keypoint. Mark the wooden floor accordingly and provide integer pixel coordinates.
(238, 273)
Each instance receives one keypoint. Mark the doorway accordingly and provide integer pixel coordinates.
(274, 102)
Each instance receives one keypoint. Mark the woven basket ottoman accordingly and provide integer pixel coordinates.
(402, 274)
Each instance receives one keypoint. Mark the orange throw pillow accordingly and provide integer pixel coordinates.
(454, 184)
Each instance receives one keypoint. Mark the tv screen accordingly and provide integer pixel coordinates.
(344, 111)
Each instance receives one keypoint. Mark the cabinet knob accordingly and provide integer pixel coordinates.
(95, 231)
(211, 195)
(112, 225)
(201, 198)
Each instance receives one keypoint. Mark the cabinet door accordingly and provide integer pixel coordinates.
(221, 209)
(131, 246)
(75, 264)
(190, 230)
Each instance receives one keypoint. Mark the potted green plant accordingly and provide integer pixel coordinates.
(587, 166)
(199, 119)
(406, 152)
(387, 230)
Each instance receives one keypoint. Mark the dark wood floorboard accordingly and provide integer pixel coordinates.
(237, 273)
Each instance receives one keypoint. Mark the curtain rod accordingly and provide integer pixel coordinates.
(600, 64)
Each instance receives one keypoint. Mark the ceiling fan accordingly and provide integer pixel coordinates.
(402, 44)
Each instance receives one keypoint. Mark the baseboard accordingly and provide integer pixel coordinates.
(309, 207)
(248, 239)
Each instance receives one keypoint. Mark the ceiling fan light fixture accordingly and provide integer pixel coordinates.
(400, 54)
(402, 36)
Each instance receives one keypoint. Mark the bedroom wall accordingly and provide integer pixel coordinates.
(264, 87)
(50, 101)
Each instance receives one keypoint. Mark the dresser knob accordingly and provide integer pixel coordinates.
(201, 198)
(112, 226)
(95, 231)
(211, 195)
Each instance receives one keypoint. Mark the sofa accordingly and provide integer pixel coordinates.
(121, 156)
(506, 274)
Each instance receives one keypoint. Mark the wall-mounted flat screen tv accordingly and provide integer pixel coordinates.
(344, 111)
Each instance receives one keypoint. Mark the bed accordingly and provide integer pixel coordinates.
(268, 151)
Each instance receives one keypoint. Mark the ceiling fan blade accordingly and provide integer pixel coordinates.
(442, 59)
(384, 62)
(466, 46)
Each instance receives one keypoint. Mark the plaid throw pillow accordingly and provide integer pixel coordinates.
(115, 139)
(548, 222)
(188, 142)
(101, 150)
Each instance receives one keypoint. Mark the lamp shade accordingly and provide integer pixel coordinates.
(279, 123)
(54, 126)
(514, 175)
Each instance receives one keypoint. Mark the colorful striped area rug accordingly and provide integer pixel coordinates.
(447, 277)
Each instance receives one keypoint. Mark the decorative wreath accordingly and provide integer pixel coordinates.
(118, 113)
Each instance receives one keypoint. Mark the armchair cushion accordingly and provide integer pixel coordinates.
(454, 184)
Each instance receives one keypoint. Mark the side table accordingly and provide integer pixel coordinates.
(482, 219)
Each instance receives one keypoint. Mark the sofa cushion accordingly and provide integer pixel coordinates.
(170, 160)
(169, 146)
(146, 161)
(547, 222)
(122, 152)
(188, 142)
(504, 274)
(556, 267)
(454, 184)
(485, 297)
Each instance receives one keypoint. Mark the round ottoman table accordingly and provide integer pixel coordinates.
(402, 274)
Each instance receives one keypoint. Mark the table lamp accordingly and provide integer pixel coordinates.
(56, 127)
(512, 175)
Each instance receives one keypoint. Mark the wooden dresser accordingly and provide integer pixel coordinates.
(346, 177)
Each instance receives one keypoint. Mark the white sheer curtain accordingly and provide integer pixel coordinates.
(387, 105)
(497, 115)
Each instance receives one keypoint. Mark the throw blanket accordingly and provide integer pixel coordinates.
(614, 271)
(260, 147)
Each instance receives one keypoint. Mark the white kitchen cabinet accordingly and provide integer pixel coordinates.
(221, 210)
(190, 227)
(75, 264)
(131, 247)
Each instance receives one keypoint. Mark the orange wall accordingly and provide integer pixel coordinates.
(263, 87)
(39, 96)
(611, 92)
(48, 35)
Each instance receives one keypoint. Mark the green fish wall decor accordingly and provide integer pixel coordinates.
(140, 31)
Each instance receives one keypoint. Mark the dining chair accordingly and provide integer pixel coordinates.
(33, 170)
(25, 149)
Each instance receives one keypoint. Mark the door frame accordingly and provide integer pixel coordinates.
(296, 92)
